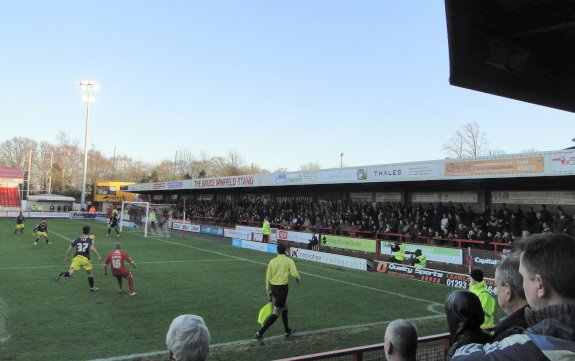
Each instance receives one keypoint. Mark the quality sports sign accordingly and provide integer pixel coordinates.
(450, 279)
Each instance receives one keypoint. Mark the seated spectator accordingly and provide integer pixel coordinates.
(464, 319)
(188, 339)
(461, 232)
(511, 298)
(487, 240)
(400, 341)
(546, 265)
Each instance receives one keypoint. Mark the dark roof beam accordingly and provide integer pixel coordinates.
(545, 29)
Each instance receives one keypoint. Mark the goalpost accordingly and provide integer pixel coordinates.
(147, 217)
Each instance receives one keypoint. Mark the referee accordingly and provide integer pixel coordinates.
(277, 276)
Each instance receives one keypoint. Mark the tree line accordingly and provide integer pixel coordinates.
(58, 168)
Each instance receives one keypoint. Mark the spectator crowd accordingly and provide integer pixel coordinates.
(438, 221)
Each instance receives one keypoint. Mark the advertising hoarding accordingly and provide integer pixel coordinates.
(329, 258)
(356, 244)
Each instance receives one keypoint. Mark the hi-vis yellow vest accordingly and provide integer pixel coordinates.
(400, 255)
(422, 261)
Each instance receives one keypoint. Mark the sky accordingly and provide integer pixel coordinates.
(281, 83)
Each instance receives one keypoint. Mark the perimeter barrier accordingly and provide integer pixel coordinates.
(429, 348)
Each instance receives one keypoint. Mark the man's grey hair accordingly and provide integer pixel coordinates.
(402, 335)
(508, 270)
(188, 338)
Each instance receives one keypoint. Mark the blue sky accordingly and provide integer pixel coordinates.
(282, 83)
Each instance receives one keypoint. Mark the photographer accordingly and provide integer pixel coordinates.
(313, 243)
(418, 259)
(397, 252)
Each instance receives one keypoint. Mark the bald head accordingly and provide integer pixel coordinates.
(401, 341)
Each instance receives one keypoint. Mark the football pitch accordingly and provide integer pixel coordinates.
(193, 274)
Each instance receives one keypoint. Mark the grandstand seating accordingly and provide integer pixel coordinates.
(9, 197)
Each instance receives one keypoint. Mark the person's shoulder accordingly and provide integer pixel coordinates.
(518, 346)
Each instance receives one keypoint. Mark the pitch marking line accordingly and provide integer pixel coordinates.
(251, 341)
(149, 262)
(430, 307)
(431, 304)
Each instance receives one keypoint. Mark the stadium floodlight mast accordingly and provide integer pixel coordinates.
(87, 87)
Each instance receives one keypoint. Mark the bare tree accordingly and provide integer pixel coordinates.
(530, 150)
(496, 151)
(310, 167)
(14, 152)
(183, 165)
(468, 142)
(68, 157)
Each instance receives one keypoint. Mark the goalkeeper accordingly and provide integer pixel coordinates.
(113, 223)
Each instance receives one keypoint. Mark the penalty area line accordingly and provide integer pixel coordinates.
(431, 304)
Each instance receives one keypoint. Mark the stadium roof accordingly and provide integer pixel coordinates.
(50, 198)
(11, 173)
(519, 49)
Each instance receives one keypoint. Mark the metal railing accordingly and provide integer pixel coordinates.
(429, 348)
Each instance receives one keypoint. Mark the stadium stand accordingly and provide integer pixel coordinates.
(10, 177)
(493, 229)
(9, 197)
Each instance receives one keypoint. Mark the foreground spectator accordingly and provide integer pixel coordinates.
(188, 339)
(400, 341)
(464, 318)
(511, 298)
(546, 265)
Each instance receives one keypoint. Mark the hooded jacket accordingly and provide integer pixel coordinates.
(464, 318)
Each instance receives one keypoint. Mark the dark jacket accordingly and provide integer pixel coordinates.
(464, 318)
(510, 325)
(551, 336)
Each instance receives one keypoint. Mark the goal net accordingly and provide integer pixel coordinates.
(147, 217)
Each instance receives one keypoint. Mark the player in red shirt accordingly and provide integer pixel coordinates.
(116, 260)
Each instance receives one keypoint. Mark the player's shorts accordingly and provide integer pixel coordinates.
(42, 234)
(81, 262)
(124, 273)
(280, 293)
(19, 226)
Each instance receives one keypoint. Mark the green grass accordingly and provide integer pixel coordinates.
(331, 308)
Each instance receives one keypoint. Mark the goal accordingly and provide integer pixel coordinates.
(147, 217)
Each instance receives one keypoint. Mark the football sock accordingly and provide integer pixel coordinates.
(131, 285)
(285, 320)
(119, 282)
(268, 322)
(91, 281)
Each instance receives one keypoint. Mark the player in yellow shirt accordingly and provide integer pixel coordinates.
(41, 230)
(19, 223)
(277, 277)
